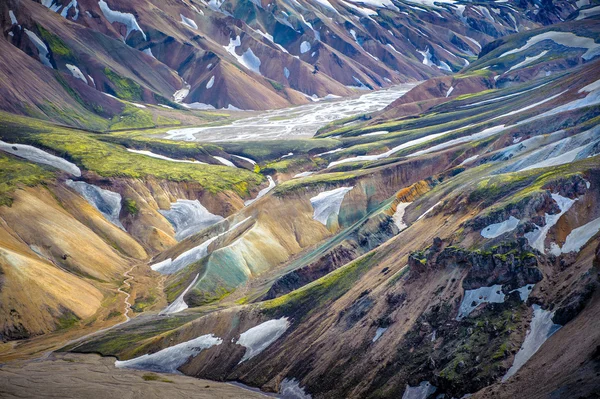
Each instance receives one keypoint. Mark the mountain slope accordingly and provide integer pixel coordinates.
(244, 54)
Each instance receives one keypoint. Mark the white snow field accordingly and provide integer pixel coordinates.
(262, 192)
(106, 201)
(540, 330)
(170, 359)
(291, 123)
(189, 217)
(164, 158)
(421, 391)
(260, 337)
(36, 155)
(497, 229)
(328, 203)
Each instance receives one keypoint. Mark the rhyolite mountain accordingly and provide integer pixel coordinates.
(249, 55)
(444, 246)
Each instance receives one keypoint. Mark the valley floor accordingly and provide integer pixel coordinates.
(91, 376)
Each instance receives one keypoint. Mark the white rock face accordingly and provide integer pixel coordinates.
(474, 298)
(262, 192)
(43, 52)
(76, 72)
(421, 391)
(537, 237)
(540, 330)
(497, 229)
(33, 154)
(328, 203)
(122, 17)
(189, 217)
(179, 304)
(170, 359)
(399, 215)
(290, 389)
(260, 337)
(106, 201)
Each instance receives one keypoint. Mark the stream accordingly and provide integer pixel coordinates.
(292, 123)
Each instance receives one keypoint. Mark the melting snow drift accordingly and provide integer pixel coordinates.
(33, 154)
(328, 203)
(260, 337)
(170, 359)
(189, 217)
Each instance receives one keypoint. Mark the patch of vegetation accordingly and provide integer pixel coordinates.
(132, 118)
(276, 85)
(111, 160)
(57, 46)
(310, 297)
(125, 88)
(130, 206)
(154, 377)
(66, 319)
(16, 173)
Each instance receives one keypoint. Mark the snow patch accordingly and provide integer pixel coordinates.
(105, 201)
(290, 389)
(328, 203)
(164, 158)
(179, 305)
(537, 237)
(566, 39)
(211, 82)
(421, 391)
(540, 330)
(224, 161)
(304, 47)
(170, 359)
(379, 333)
(190, 23)
(399, 215)
(260, 337)
(43, 52)
(497, 229)
(527, 61)
(474, 298)
(36, 155)
(578, 237)
(124, 18)
(303, 174)
(189, 217)
(76, 72)
(262, 192)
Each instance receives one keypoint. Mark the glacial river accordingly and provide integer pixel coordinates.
(291, 123)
